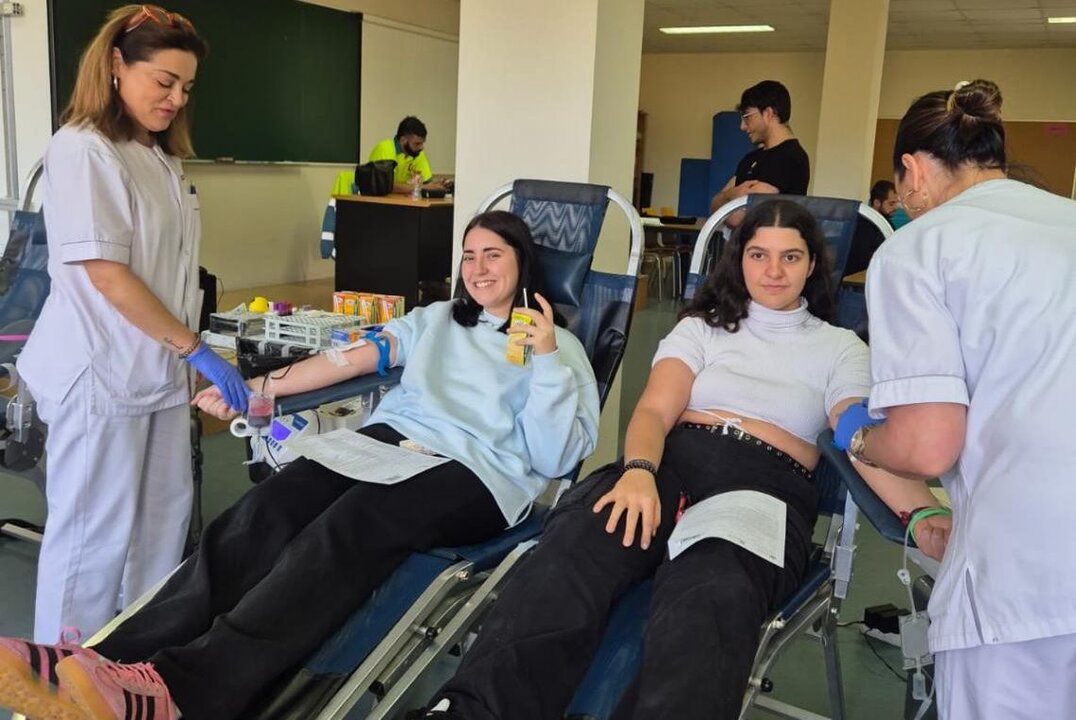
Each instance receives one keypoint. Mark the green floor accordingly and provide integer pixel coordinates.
(871, 690)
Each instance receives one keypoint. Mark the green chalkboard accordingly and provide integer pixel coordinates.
(281, 82)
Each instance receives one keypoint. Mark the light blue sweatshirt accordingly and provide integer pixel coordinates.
(514, 427)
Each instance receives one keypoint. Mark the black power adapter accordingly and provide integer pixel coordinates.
(884, 618)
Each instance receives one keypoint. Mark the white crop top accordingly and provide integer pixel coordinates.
(785, 367)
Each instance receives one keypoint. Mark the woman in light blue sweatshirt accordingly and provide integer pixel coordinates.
(278, 572)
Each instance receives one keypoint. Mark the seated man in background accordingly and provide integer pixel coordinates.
(780, 165)
(884, 198)
(407, 149)
(868, 237)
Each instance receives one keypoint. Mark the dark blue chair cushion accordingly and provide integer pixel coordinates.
(838, 219)
(561, 215)
(563, 274)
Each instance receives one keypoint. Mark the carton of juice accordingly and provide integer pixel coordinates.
(340, 299)
(389, 307)
(518, 354)
(367, 306)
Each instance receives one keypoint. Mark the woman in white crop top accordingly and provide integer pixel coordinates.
(738, 392)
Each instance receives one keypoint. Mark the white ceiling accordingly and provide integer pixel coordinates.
(913, 24)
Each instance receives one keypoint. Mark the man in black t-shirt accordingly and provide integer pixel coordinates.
(780, 164)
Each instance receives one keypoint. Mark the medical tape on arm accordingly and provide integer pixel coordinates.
(337, 356)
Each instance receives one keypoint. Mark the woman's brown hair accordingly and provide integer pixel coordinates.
(723, 300)
(958, 127)
(96, 102)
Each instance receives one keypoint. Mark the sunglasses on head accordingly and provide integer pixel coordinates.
(159, 15)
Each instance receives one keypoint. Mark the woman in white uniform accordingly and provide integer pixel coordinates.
(105, 361)
(973, 363)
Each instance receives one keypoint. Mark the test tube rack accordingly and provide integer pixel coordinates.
(239, 323)
(312, 329)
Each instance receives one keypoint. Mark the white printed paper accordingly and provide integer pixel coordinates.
(362, 458)
(755, 521)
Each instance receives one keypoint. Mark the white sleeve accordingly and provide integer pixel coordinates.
(850, 375)
(687, 343)
(96, 221)
(915, 341)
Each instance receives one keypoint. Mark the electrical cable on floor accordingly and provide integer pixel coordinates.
(873, 649)
(878, 655)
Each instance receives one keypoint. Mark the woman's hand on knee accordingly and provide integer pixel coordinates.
(211, 402)
(635, 497)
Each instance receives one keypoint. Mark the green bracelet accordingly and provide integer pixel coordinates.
(922, 515)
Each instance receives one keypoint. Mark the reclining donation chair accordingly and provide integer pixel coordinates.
(407, 624)
(24, 285)
(814, 607)
(836, 216)
(373, 659)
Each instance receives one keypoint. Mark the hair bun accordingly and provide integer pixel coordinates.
(978, 99)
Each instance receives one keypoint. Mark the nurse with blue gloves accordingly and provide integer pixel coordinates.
(108, 360)
(972, 362)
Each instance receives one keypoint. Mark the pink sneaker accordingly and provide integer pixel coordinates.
(106, 690)
(28, 682)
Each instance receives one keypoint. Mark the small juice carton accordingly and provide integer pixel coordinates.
(367, 306)
(389, 307)
(518, 354)
(340, 299)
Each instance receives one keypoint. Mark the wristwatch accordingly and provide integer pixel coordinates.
(858, 444)
(641, 465)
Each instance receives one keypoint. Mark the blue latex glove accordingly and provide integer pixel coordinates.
(853, 418)
(223, 374)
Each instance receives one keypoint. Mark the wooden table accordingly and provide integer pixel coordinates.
(390, 244)
(673, 229)
(858, 279)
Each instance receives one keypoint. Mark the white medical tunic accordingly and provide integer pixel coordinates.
(975, 303)
(128, 203)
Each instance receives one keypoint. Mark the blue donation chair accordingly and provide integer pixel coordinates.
(814, 607)
(836, 216)
(24, 285)
(394, 637)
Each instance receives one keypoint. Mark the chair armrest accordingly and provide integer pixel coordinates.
(362, 385)
(885, 521)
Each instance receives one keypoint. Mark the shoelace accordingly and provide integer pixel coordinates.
(70, 636)
(138, 677)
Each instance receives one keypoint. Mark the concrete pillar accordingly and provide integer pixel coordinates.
(550, 90)
(851, 87)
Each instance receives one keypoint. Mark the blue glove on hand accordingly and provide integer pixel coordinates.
(853, 418)
(223, 374)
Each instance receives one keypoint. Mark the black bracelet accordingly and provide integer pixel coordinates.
(185, 353)
(641, 464)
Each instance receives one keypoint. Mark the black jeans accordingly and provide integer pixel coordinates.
(705, 614)
(281, 570)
